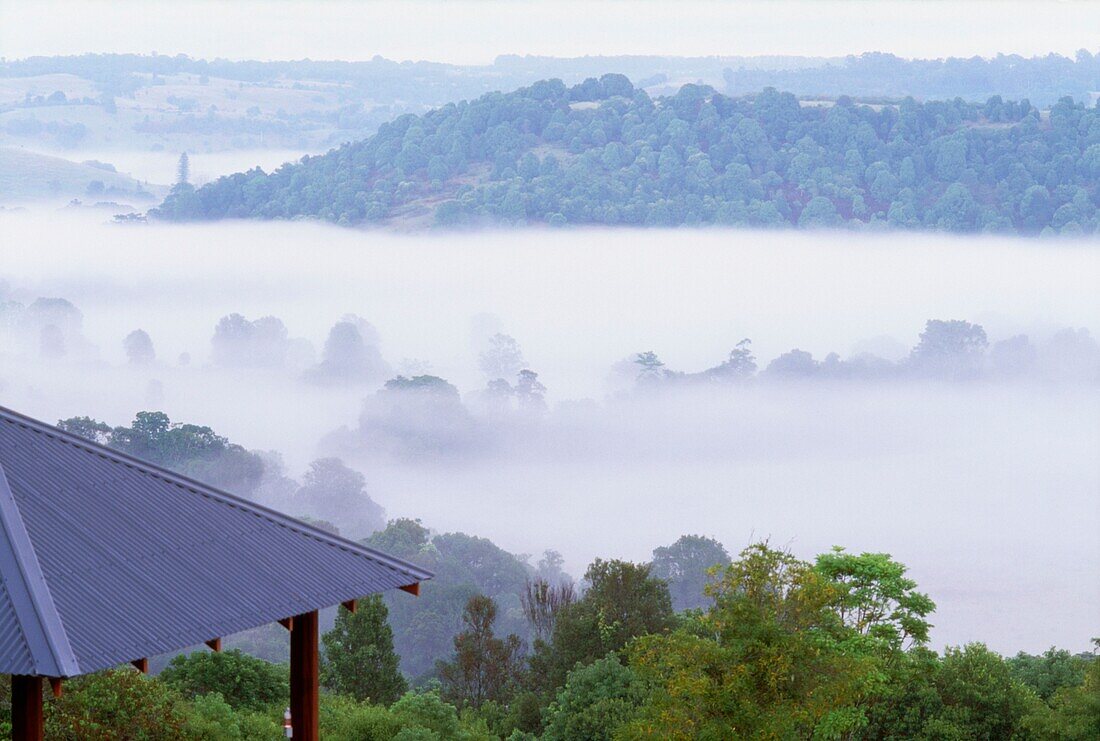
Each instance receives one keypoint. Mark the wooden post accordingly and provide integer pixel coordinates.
(26, 708)
(304, 684)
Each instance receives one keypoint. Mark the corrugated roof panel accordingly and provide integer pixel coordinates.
(13, 647)
(140, 561)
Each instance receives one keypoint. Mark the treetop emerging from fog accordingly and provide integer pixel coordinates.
(604, 152)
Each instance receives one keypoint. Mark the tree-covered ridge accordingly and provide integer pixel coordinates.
(604, 152)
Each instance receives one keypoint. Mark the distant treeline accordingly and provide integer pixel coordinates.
(1043, 80)
(873, 75)
(947, 350)
(604, 152)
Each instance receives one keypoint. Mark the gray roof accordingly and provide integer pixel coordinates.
(106, 559)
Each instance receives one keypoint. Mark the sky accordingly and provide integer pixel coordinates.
(470, 32)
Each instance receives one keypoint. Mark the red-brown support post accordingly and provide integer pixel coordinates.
(304, 690)
(26, 708)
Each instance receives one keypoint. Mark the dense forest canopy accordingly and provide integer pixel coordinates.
(604, 152)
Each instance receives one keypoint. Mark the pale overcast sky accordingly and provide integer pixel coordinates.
(470, 32)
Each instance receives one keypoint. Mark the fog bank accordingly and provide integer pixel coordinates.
(987, 489)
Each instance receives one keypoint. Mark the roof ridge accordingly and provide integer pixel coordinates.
(224, 497)
(29, 592)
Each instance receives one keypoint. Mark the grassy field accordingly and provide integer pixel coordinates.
(180, 113)
(28, 176)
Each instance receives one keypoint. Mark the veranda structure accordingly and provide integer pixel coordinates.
(107, 560)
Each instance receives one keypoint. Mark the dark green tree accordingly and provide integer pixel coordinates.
(359, 659)
(1050, 671)
(243, 681)
(981, 698)
(623, 601)
(595, 702)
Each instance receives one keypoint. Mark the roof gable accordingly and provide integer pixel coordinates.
(107, 559)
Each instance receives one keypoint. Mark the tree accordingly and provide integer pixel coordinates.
(770, 659)
(139, 348)
(415, 416)
(949, 349)
(1036, 208)
(980, 696)
(464, 566)
(956, 211)
(188, 449)
(403, 537)
(496, 399)
(351, 354)
(550, 567)
(502, 359)
(543, 601)
(530, 393)
(685, 566)
(484, 667)
(792, 365)
(819, 212)
(192, 450)
(906, 703)
(332, 491)
(877, 599)
(1050, 672)
(359, 659)
(429, 712)
(88, 428)
(650, 367)
(116, 705)
(623, 601)
(243, 681)
(740, 364)
(1074, 712)
(594, 703)
(183, 170)
(238, 342)
(211, 717)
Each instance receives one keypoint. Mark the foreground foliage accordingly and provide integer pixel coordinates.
(833, 648)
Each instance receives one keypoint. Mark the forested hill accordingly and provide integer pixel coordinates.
(604, 152)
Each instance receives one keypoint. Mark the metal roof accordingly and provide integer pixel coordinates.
(106, 558)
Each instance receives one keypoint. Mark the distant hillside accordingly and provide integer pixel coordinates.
(29, 175)
(603, 152)
(103, 102)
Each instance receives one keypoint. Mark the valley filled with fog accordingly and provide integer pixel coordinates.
(988, 477)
